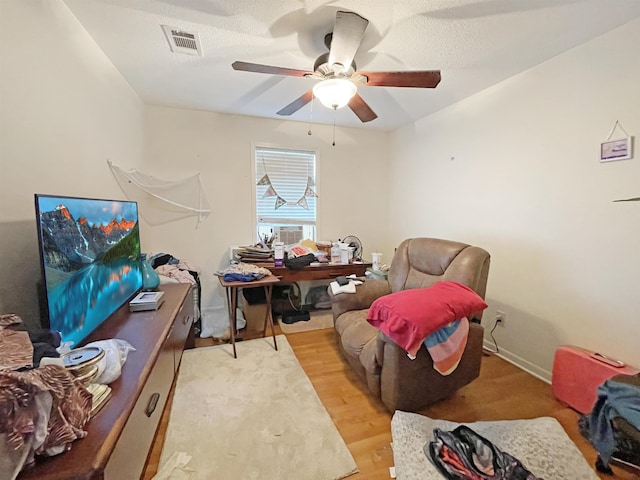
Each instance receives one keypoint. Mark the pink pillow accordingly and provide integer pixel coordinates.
(410, 316)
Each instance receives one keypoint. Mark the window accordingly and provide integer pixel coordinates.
(285, 193)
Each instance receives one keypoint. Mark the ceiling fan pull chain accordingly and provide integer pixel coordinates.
(311, 114)
(334, 128)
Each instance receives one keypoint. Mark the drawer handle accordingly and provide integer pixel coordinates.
(153, 403)
(608, 360)
(187, 319)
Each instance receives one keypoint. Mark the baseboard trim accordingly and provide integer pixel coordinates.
(519, 362)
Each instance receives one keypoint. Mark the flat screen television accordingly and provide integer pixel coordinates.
(90, 258)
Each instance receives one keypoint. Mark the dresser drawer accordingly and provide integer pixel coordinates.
(130, 454)
(181, 330)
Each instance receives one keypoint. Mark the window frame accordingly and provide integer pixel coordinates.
(254, 208)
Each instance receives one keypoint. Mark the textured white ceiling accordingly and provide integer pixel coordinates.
(475, 44)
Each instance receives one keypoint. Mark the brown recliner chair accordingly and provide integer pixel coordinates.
(399, 382)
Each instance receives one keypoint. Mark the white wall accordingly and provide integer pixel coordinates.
(515, 169)
(219, 147)
(524, 183)
(64, 109)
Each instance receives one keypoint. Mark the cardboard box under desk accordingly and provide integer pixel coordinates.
(254, 315)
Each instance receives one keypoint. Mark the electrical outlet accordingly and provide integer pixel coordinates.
(501, 318)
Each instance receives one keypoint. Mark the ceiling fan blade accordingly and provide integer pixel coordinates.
(258, 68)
(297, 104)
(416, 78)
(348, 31)
(362, 109)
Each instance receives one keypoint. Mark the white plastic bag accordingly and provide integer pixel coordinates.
(115, 354)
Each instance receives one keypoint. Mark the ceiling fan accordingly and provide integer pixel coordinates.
(337, 72)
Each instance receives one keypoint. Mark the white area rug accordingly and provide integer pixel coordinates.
(541, 444)
(254, 417)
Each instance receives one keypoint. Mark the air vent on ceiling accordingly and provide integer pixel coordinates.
(182, 42)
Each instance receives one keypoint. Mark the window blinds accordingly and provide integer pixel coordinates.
(285, 186)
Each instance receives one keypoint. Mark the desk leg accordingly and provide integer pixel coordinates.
(267, 290)
(232, 300)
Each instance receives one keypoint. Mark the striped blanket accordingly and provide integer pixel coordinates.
(447, 344)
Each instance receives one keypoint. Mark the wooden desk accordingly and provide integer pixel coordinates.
(324, 271)
(232, 288)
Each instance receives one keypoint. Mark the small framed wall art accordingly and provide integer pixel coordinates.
(620, 149)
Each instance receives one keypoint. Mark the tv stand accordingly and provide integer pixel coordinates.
(121, 434)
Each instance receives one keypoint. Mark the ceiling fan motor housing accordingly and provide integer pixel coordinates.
(322, 66)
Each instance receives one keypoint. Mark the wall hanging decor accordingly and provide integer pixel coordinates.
(280, 201)
(620, 148)
(163, 201)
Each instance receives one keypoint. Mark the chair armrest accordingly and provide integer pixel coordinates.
(362, 299)
(411, 385)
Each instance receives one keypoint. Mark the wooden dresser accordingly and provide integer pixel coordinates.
(120, 435)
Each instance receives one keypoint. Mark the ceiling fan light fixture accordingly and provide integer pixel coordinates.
(334, 92)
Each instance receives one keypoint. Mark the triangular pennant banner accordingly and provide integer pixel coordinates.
(279, 202)
(310, 193)
(270, 192)
(303, 203)
(264, 180)
(310, 182)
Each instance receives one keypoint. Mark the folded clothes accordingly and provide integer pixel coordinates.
(242, 277)
(243, 269)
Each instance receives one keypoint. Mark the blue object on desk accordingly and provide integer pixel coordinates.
(242, 277)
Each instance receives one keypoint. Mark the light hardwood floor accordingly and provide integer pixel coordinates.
(502, 392)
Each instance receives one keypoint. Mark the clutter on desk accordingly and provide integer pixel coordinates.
(349, 287)
(320, 251)
(299, 262)
(243, 272)
(335, 253)
(267, 241)
(278, 254)
(376, 260)
(300, 254)
(324, 246)
(353, 245)
(303, 247)
(253, 254)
